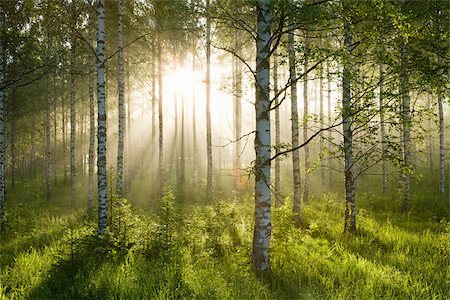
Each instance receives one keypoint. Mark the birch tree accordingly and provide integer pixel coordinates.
(383, 132)
(321, 124)
(441, 136)
(294, 126)
(406, 123)
(2, 117)
(305, 118)
(73, 175)
(101, 120)
(160, 113)
(209, 161)
(237, 76)
(194, 126)
(262, 227)
(350, 208)
(121, 86)
(48, 102)
(91, 113)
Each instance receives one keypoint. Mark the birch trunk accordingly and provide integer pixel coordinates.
(262, 227)
(101, 120)
(406, 122)
(350, 208)
(64, 125)
(305, 119)
(294, 128)
(321, 121)
(441, 139)
(73, 178)
(209, 185)
(174, 149)
(2, 118)
(121, 87)
(55, 134)
(13, 139)
(430, 137)
(160, 118)
(237, 110)
(48, 143)
(128, 156)
(194, 128)
(278, 199)
(330, 133)
(91, 116)
(182, 154)
(383, 132)
(153, 98)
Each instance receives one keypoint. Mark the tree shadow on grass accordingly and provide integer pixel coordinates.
(69, 276)
(13, 245)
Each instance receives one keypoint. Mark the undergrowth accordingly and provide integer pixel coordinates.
(204, 252)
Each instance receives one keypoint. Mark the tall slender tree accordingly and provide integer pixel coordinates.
(294, 125)
(237, 67)
(321, 124)
(441, 136)
(383, 131)
(73, 41)
(121, 108)
(262, 226)
(160, 108)
(406, 122)
(350, 208)
(48, 102)
(101, 120)
(194, 125)
(330, 134)
(209, 171)
(306, 118)
(2, 117)
(91, 59)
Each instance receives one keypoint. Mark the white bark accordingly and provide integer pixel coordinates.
(121, 87)
(294, 128)
(101, 120)
(209, 171)
(350, 208)
(262, 227)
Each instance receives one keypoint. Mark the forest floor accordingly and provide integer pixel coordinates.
(51, 252)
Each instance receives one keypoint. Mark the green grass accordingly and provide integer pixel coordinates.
(50, 251)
